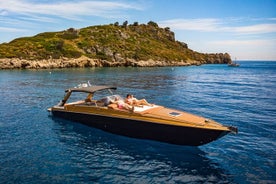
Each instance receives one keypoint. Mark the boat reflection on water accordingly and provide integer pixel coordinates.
(105, 157)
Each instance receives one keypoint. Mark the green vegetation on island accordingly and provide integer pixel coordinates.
(107, 45)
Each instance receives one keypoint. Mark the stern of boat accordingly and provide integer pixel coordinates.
(233, 129)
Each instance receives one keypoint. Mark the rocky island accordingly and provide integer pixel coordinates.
(137, 45)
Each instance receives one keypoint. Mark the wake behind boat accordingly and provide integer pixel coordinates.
(152, 122)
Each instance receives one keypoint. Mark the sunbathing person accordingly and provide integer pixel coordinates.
(120, 104)
(134, 101)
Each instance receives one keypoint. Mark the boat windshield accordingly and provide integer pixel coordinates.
(76, 97)
(106, 100)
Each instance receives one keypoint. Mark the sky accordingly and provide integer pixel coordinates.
(246, 29)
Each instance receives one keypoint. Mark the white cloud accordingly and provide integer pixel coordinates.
(256, 49)
(68, 10)
(191, 24)
(33, 16)
(254, 29)
(9, 29)
(3, 12)
(219, 25)
(257, 42)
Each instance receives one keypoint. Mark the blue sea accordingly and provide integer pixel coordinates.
(38, 148)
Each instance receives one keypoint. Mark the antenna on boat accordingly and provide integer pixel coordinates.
(110, 91)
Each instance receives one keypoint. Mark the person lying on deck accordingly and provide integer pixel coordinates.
(120, 104)
(134, 101)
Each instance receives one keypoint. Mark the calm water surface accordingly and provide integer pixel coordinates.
(37, 148)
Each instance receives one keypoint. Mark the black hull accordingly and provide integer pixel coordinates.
(146, 130)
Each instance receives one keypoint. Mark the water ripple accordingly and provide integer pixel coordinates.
(37, 148)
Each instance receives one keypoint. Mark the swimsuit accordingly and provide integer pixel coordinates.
(120, 105)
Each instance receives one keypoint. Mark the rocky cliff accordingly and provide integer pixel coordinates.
(104, 46)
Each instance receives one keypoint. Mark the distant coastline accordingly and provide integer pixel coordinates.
(85, 62)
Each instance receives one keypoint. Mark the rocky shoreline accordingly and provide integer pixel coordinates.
(113, 45)
(82, 62)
